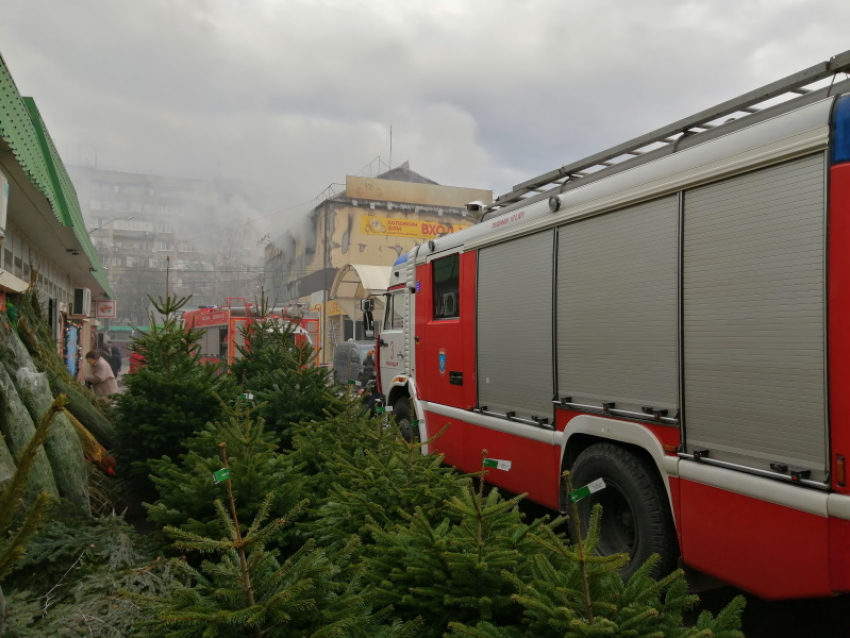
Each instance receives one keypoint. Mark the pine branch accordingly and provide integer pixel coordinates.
(15, 546)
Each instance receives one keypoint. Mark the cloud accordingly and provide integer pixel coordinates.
(480, 93)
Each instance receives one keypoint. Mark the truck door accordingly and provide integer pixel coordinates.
(445, 314)
(392, 338)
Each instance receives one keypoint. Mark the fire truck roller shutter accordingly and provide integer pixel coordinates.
(617, 308)
(515, 348)
(210, 342)
(754, 303)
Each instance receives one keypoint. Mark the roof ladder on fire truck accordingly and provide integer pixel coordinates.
(228, 303)
(790, 92)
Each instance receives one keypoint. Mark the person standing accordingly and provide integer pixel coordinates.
(368, 371)
(115, 360)
(100, 375)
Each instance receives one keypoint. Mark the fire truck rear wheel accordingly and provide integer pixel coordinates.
(401, 412)
(636, 517)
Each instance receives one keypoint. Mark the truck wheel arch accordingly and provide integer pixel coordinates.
(585, 430)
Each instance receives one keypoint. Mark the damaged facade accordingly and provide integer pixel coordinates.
(362, 230)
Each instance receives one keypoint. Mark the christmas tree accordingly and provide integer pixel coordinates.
(570, 592)
(171, 397)
(276, 369)
(187, 491)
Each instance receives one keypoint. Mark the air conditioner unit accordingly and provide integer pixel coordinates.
(82, 303)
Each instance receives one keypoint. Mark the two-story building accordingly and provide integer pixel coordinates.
(344, 252)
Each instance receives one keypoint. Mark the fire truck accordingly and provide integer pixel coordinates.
(671, 315)
(224, 327)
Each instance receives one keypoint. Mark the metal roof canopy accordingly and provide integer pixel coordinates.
(354, 282)
(30, 210)
(745, 105)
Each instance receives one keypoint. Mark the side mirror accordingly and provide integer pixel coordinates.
(367, 306)
(368, 324)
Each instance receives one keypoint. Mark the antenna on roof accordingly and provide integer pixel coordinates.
(391, 147)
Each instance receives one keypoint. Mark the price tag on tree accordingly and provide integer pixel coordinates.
(221, 475)
(499, 464)
(587, 490)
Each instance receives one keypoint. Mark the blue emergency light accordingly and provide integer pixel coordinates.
(841, 131)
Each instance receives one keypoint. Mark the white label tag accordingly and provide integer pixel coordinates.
(503, 465)
(596, 485)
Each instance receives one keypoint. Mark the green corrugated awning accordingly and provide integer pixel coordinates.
(24, 131)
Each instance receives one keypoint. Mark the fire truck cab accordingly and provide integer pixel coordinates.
(224, 327)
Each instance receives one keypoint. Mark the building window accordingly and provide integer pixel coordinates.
(446, 276)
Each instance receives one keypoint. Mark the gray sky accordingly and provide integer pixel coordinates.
(480, 93)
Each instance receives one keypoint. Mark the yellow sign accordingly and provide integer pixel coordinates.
(404, 227)
(334, 308)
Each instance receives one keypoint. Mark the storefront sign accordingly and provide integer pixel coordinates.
(405, 227)
(106, 309)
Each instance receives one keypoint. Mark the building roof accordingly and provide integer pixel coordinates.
(402, 173)
(24, 135)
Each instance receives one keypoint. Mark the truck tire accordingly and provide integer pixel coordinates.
(401, 414)
(636, 517)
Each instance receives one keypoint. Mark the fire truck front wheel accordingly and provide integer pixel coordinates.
(636, 517)
(401, 412)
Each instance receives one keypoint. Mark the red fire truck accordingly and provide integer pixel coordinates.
(224, 326)
(671, 315)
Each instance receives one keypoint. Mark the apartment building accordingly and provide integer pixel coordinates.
(194, 235)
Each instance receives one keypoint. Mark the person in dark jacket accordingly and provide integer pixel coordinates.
(368, 372)
(114, 359)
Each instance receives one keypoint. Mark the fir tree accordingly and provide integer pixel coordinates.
(171, 397)
(248, 591)
(278, 372)
(378, 479)
(569, 592)
(454, 571)
(186, 489)
(316, 444)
